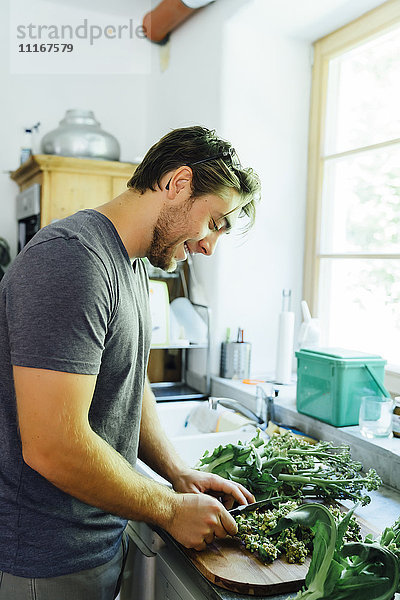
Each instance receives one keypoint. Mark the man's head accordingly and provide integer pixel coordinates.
(216, 184)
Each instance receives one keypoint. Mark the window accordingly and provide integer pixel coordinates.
(352, 257)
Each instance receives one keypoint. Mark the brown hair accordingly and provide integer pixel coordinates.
(187, 146)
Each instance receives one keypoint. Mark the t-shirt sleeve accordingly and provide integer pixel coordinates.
(59, 305)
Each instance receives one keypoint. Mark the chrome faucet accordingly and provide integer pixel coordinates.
(265, 403)
(213, 403)
(232, 404)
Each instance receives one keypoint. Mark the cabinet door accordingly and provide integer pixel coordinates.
(69, 192)
(119, 185)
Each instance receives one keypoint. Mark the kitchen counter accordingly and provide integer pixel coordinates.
(383, 455)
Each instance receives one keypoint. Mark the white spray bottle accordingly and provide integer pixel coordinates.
(310, 332)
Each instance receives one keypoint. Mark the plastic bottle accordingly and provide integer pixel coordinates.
(35, 147)
(310, 331)
(26, 148)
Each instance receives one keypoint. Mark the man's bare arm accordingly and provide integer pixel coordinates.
(58, 442)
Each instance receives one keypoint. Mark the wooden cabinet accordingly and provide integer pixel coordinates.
(71, 184)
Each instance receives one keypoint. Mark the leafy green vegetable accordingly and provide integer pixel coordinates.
(288, 467)
(295, 542)
(254, 528)
(338, 571)
(389, 539)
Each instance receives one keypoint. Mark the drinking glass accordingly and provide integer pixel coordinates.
(376, 416)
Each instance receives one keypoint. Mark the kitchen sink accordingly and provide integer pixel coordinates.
(175, 420)
(189, 442)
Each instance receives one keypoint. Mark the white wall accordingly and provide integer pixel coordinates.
(188, 91)
(266, 103)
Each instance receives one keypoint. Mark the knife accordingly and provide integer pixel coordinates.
(244, 508)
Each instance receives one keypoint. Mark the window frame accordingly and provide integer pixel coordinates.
(370, 25)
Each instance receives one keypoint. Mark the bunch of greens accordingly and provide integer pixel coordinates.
(390, 539)
(342, 571)
(288, 467)
(295, 542)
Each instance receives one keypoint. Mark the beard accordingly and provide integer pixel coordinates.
(168, 233)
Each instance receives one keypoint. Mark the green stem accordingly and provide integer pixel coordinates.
(291, 478)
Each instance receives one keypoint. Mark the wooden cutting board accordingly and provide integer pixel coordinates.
(227, 564)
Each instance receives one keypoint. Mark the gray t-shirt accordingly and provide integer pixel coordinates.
(72, 301)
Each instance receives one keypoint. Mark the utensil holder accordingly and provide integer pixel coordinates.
(235, 360)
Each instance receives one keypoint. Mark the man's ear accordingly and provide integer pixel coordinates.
(180, 182)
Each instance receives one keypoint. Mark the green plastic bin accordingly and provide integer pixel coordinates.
(332, 381)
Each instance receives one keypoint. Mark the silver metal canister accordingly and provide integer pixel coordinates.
(235, 360)
(79, 134)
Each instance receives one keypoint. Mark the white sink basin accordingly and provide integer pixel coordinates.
(174, 417)
(188, 441)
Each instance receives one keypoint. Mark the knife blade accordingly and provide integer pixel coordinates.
(244, 508)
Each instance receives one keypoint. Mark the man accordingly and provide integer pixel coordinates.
(75, 406)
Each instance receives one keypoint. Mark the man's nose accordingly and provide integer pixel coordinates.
(208, 244)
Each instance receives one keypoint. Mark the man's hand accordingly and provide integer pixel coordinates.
(190, 480)
(198, 519)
